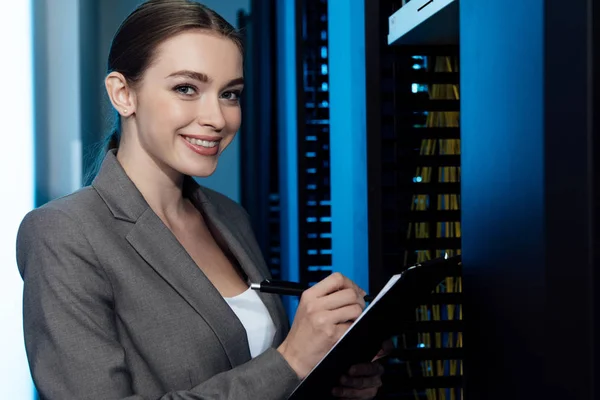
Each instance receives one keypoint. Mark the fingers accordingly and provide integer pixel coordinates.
(338, 320)
(342, 298)
(346, 313)
(367, 369)
(333, 283)
(349, 393)
(361, 382)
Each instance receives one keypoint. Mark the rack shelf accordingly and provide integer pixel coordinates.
(425, 22)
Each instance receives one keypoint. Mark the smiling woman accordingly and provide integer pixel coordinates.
(136, 287)
(182, 96)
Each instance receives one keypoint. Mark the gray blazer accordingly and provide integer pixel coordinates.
(115, 308)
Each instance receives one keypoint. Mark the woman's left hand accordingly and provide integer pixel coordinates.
(362, 381)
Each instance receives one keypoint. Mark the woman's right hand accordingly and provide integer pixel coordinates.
(324, 313)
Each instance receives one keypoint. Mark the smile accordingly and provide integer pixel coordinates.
(200, 142)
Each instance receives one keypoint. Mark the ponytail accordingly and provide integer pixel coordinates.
(111, 142)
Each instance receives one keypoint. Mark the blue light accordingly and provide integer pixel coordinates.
(347, 104)
(417, 179)
(324, 69)
(324, 86)
(417, 66)
(415, 87)
(323, 52)
(314, 268)
(288, 136)
(324, 104)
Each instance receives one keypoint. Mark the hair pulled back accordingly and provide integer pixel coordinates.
(135, 43)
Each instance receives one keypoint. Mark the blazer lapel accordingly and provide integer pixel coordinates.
(157, 245)
(253, 265)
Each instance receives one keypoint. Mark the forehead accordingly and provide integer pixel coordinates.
(195, 50)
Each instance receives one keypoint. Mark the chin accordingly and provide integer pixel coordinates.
(200, 170)
(192, 164)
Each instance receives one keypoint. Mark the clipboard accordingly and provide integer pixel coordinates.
(385, 317)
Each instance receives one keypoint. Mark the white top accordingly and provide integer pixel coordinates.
(256, 319)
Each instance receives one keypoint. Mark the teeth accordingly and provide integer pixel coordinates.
(203, 143)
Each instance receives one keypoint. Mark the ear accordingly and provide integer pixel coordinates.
(120, 93)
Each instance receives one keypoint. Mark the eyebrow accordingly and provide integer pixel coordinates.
(199, 76)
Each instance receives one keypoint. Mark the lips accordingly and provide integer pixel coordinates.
(202, 142)
(205, 146)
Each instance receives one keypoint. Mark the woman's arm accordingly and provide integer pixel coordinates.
(70, 332)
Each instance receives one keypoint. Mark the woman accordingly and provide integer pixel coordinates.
(136, 287)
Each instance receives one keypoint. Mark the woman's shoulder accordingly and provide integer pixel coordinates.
(75, 205)
(74, 209)
(56, 225)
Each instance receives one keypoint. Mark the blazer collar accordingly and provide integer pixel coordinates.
(119, 193)
(156, 244)
(124, 199)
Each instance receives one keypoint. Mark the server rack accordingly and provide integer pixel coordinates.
(262, 152)
(414, 197)
(259, 140)
(314, 194)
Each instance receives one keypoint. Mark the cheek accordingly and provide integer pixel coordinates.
(233, 116)
(173, 111)
(163, 114)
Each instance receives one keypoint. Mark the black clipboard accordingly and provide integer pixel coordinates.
(382, 319)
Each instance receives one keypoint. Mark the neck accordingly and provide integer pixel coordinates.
(160, 185)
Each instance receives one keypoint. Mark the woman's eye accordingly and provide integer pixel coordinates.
(232, 95)
(186, 90)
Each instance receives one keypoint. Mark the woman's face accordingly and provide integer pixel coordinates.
(187, 103)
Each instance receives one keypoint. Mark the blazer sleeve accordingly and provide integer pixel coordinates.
(70, 333)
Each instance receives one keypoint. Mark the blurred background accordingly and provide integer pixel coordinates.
(376, 134)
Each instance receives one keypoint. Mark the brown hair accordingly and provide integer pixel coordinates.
(135, 42)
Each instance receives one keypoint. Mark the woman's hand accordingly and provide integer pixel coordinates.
(362, 381)
(324, 313)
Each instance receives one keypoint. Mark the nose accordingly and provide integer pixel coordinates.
(211, 115)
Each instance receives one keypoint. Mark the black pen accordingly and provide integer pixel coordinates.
(286, 288)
